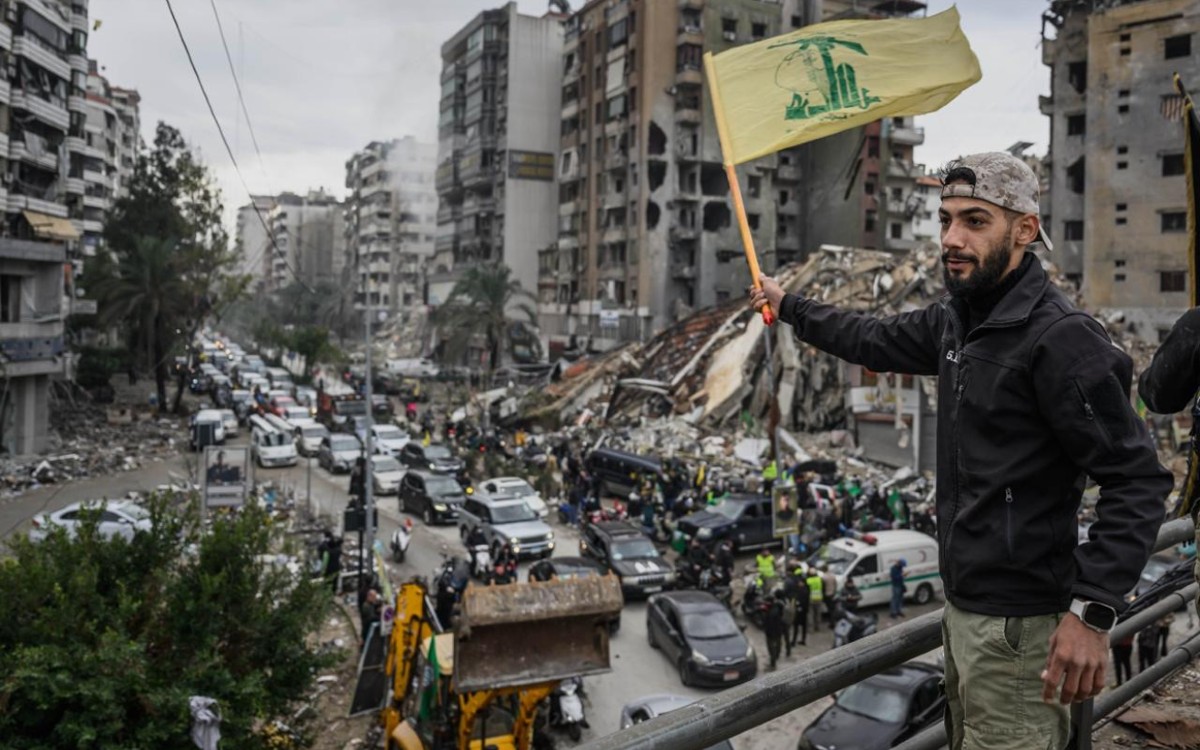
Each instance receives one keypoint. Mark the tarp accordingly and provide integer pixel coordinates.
(51, 227)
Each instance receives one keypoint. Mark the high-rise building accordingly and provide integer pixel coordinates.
(127, 103)
(252, 243)
(1118, 208)
(308, 240)
(498, 133)
(42, 118)
(390, 221)
(98, 160)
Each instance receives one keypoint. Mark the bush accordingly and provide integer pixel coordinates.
(104, 641)
(97, 366)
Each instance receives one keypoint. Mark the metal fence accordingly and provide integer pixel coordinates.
(736, 710)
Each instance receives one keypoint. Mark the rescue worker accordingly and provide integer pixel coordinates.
(765, 563)
(770, 473)
(816, 596)
(774, 628)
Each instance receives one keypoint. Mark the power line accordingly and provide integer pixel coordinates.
(237, 85)
(233, 159)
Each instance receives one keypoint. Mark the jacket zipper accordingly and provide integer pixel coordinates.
(1090, 414)
(959, 386)
(1008, 503)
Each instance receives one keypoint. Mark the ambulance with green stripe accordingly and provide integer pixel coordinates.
(868, 559)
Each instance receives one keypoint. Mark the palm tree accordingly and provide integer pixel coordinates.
(145, 292)
(479, 305)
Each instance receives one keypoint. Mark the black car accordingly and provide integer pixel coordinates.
(881, 711)
(697, 633)
(434, 457)
(743, 518)
(567, 568)
(615, 470)
(435, 497)
(627, 552)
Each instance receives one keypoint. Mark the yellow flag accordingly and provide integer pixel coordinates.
(822, 79)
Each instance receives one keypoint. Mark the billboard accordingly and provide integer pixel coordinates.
(226, 476)
(531, 165)
(785, 510)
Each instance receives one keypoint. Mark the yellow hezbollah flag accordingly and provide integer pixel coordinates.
(822, 79)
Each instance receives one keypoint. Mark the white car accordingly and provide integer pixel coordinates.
(117, 518)
(388, 439)
(230, 420)
(306, 396)
(298, 415)
(308, 441)
(517, 487)
(213, 417)
(386, 473)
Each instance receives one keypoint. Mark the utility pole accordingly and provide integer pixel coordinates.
(368, 484)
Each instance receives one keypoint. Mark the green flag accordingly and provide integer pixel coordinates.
(429, 695)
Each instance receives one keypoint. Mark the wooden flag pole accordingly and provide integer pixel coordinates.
(735, 189)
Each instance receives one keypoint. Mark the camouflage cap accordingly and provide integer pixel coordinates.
(998, 178)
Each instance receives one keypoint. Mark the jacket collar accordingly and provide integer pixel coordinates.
(1015, 307)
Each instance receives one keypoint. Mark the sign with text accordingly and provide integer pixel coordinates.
(785, 510)
(531, 165)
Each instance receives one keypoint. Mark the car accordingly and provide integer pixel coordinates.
(306, 396)
(743, 518)
(646, 708)
(507, 521)
(388, 439)
(230, 420)
(309, 437)
(386, 473)
(615, 470)
(697, 634)
(242, 402)
(627, 552)
(338, 452)
(433, 457)
(434, 497)
(298, 415)
(119, 518)
(208, 419)
(566, 568)
(881, 711)
(520, 488)
(278, 405)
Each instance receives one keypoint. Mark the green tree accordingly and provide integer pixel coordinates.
(478, 307)
(312, 344)
(166, 263)
(106, 640)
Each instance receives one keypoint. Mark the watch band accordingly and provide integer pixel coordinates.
(1080, 607)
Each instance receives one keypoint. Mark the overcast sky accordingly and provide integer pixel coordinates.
(322, 79)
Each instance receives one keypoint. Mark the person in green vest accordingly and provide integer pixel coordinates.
(898, 508)
(770, 473)
(816, 595)
(765, 562)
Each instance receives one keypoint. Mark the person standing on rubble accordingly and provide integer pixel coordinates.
(1033, 397)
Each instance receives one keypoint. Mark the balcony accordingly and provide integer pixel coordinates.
(79, 21)
(92, 226)
(98, 178)
(617, 160)
(76, 144)
(691, 4)
(904, 169)
(614, 234)
(683, 234)
(683, 271)
(568, 208)
(1049, 51)
(77, 62)
(32, 49)
(77, 104)
(613, 200)
(690, 35)
(54, 12)
(1046, 104)
(689, 115)
(6, 36)
(787, 173)
(570, 109)
(907, 136)
(41, 158)
(3, 143)
(689, 77)
(19, 202)
(48, 112)
(5, 90)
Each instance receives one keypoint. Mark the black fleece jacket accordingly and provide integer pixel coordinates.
(1034, 398)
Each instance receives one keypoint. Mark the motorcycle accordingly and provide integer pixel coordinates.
(481, 562)
(451, 580)
(566, 708)
(401, 538)
(712, 581)
(849, 626)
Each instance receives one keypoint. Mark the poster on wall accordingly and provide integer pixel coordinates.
(226, 476)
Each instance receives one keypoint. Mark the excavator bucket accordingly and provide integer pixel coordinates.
(530, 633)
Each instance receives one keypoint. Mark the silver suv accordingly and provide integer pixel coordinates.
(507, 520)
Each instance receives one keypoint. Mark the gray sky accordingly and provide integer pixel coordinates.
(323, 78)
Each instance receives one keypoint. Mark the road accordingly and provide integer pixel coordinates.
(637, 670)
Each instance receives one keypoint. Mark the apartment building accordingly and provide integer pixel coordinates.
(498, 136)
(1118, 208)
(252, 242)
(646, 230)
(43, 111)
(102, 156)
(390, 221)
(307, 240)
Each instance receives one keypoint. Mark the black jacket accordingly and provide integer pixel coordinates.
(1033, 399)
(1172, 378)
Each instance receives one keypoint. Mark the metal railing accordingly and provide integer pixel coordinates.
(736, 710)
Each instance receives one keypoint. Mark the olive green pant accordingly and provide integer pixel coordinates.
(994, 683)
(1196, 565)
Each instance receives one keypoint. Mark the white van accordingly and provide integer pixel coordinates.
(280, 379)
(868, 560)
(270, 446)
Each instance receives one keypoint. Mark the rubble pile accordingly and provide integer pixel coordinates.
(87, 440)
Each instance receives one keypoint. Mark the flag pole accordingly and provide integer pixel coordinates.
(735, 189)
(1190, 123)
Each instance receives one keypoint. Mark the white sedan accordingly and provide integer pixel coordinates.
(117, 518)
(517, 487)
(386, 473)
(388, 439)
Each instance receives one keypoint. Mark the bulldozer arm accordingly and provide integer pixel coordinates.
(413, 625)
(534, 633)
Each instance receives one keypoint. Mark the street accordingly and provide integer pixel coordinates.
(637, 670)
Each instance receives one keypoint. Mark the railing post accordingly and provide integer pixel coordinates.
(1081, 726)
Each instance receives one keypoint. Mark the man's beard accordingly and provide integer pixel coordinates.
(985, 277)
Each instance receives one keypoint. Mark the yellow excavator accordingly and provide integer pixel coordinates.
(477, 686)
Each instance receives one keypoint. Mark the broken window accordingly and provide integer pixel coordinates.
(753, 221)
(758, 30)
(652, 214)
(1075, 176)
(10, 299)
(1076, 124)
(1123, 109)
(657, 144)
(716, 216)
(783, 196)
(712, 180)
(869, 222)
(754, 186)
(1172, 164)
(1172, 281)
(1122, 149)
(1177, 46)
(1073, 230)
(1077, 75)
(1174, 221)
(658, 173)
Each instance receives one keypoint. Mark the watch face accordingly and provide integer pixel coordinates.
(1099, 616)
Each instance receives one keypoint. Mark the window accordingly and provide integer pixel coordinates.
(754, 186)
(1077, 75)
(1123, 93)
(689, 57)
(1121, 206)
(869, 222)
(1177, 46)
(1172, 281)
(1125, 37)
(1123, 109)
(1172, 164)
(1076, 124)
(783, 196)
(758, 30)
(1121, 221)
(897, 231)
(1122, 149)
(1073, 230)
(1174, 221)
(797, 21)
(1122, 165)
(866, 566)
(729, 25)
(10, 299)
(752, 220)
(618, 33)
(1119, 263)
(1118, 277)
